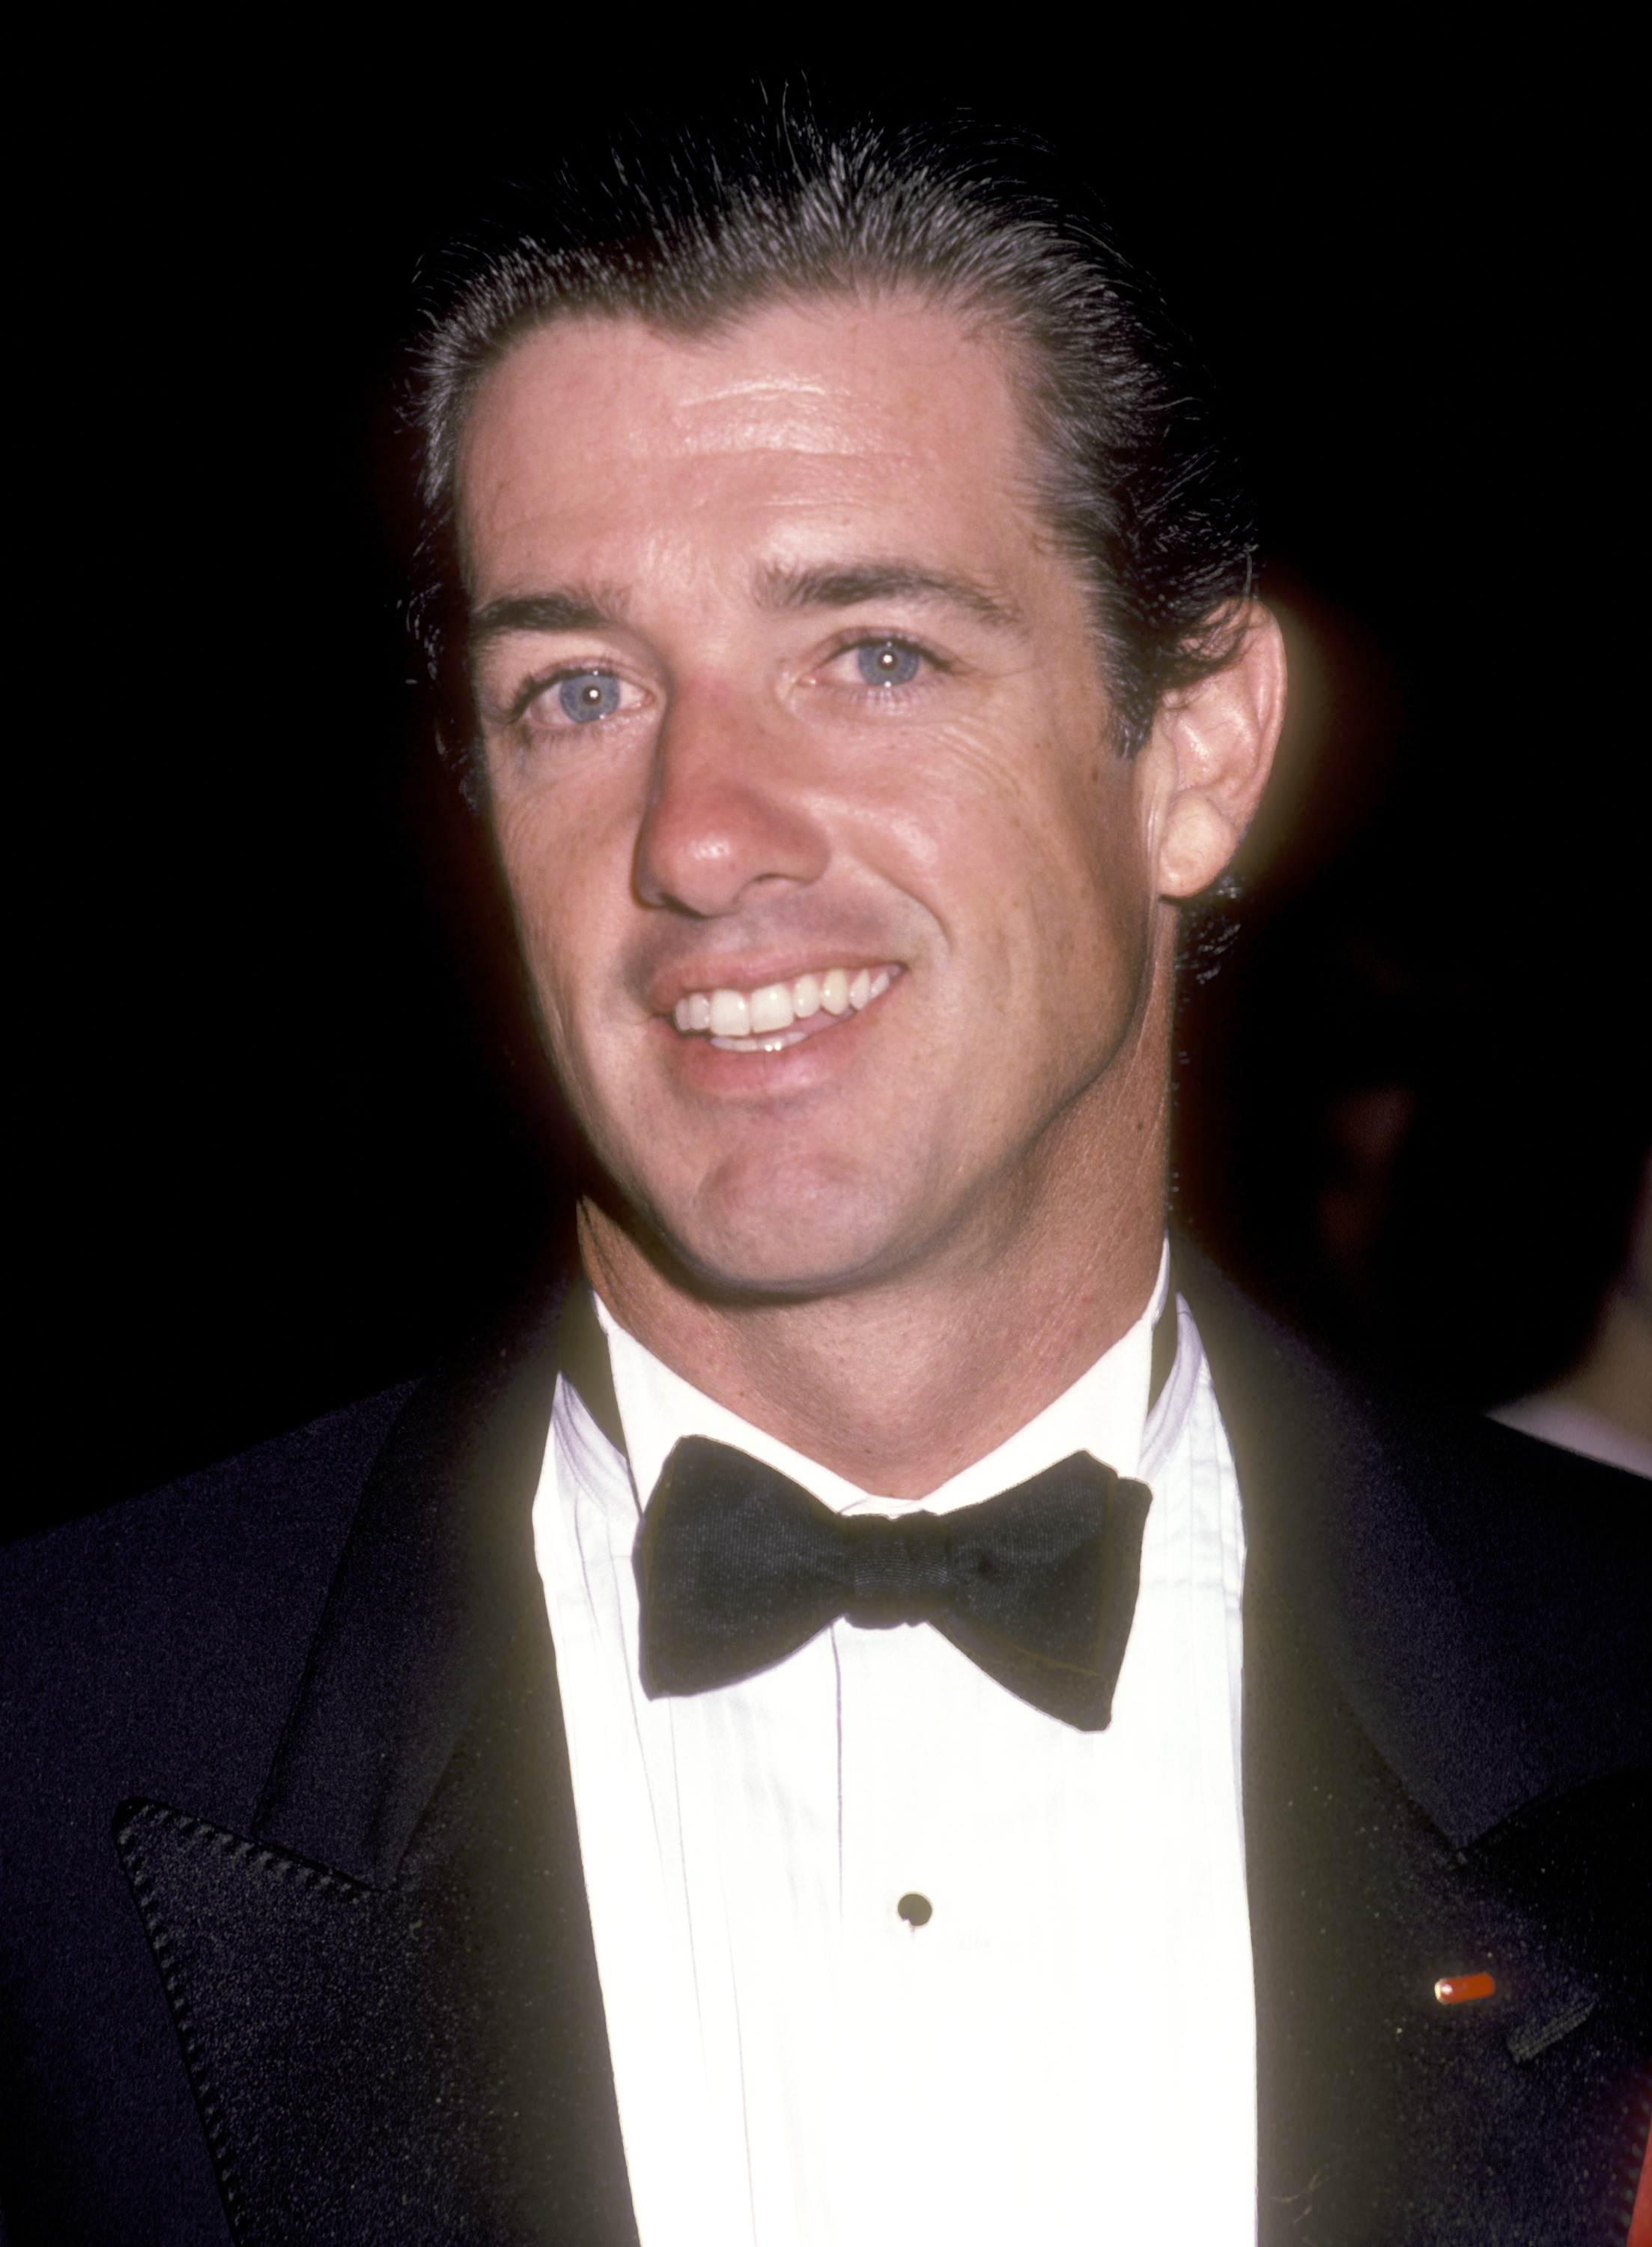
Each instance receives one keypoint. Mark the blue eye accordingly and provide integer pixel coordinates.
(887, 663)
(589, 694)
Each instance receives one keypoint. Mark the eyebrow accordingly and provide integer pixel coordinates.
(780, 589)
(846, 585)
(560, 609)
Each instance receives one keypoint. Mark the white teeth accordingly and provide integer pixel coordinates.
(771, 1008)
(731, 1015)
(745, 1018)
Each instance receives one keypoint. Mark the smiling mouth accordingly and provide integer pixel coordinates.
(776, 1015)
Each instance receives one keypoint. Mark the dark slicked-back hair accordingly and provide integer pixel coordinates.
(694, 228)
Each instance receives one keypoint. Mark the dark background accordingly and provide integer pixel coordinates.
(283, 1129)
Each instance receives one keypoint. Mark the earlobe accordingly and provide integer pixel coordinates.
(1214, 744)
(468, 765)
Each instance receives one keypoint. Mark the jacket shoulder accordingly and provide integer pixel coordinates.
(161, 1639)
(1444, 1563)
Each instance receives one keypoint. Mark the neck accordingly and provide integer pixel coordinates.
(899, 1385)
(1615, 1378)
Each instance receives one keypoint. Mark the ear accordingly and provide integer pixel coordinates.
(1208, 758)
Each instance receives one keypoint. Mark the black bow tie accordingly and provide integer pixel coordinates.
(738, 1567)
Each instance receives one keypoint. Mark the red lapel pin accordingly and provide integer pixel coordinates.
(1459, 1989)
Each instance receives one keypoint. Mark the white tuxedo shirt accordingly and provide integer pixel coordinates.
(797, 2064)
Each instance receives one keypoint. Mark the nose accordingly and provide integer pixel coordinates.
(727, 812)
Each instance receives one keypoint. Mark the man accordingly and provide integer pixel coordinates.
(892, 1707)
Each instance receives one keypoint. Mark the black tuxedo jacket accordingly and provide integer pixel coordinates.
(296, 1942)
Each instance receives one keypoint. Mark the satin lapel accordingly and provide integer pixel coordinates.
(1394, 1837)
(1384, 2116)
(437, 1575)
(388, 1994)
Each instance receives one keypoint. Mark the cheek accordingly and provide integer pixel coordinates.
(970, 819)
(555, 896)
(1087, 900)
(1089, 880)
(1122, 883)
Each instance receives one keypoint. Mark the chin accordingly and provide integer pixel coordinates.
(793, 1237)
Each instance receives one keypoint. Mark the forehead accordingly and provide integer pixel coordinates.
(605, 437)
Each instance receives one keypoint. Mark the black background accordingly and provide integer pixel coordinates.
(284, 1134)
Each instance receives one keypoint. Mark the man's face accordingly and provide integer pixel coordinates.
(786, 692)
